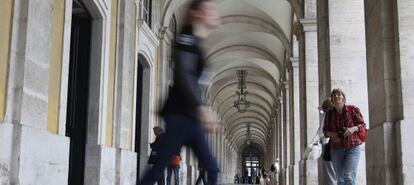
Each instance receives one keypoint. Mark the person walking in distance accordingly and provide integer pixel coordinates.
(185, 115)
(174, 167)
(155, 147)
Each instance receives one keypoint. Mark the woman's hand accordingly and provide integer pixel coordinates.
(208, 118)
(351, 130)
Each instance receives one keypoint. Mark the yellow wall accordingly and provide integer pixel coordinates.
(6, 15)
(111, 77)
(56, 66)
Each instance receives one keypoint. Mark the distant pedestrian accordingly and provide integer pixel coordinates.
(155, 148)
(174, 167)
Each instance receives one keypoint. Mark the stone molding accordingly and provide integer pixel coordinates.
(309, 25)
(297, 29)
(294, 61)
(147, 42)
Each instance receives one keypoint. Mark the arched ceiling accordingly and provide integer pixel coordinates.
(254, 36)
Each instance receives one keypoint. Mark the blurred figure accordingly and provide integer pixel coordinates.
(342, 125)
(237, 178)
(329, 176)
(272, 174)
(155, 147)
(184, 113)
(254, 175)
(277, 170)
(264, 179)
(246, 176)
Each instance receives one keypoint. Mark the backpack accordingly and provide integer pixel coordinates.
(175, 161)
(362, 133)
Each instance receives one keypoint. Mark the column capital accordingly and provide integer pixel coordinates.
(309, 25)
(164, 33)
(285, 84)
(294, 61)
(297, 29)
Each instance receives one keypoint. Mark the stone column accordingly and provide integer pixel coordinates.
(323, 64)
(126, 158)
(279, 133)
(323, 49)
(309, 97)
(309, 103)
(295, 121)
(389, 88)
(289, 99)
(285, 123)
(274, 129)
(405, 126)
(274, 139)
(288, 140)
(290, 122)
(281, 138)
(220, 152)
(226, 170)
(223, 155)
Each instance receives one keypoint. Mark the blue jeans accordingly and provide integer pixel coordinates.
(330, 177)
(345, 162)
(176, 175)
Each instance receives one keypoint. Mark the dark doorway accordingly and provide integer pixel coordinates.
(78, 85)
(138, 116)
(251, 164)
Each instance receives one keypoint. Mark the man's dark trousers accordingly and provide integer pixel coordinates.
(182, 130)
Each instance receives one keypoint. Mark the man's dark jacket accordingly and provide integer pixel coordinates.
(185, 95)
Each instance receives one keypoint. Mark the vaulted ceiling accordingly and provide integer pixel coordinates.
(255, 36)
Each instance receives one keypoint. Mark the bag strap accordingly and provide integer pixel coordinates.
(350, 108)
(314, 140)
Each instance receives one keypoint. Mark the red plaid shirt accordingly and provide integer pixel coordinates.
(333, 121)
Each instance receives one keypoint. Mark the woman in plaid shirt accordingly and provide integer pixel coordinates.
(341, 125)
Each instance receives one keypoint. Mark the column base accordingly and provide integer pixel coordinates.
(100, 165)
(383, 165)
(407, 151)
(126, 167)
(308, 172)
(32, 156)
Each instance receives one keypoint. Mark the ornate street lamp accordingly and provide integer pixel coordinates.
(241, 104)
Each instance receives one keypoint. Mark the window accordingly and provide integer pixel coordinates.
(146, 11)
